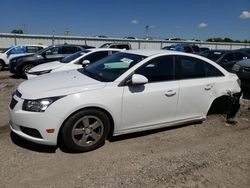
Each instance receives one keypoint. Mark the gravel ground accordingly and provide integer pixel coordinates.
(209, 154)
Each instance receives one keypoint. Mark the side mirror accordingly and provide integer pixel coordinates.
(85, 62)
(138, 79)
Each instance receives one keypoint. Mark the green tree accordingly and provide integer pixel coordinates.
(17, 31)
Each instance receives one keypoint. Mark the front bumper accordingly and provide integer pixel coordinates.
(20, 121)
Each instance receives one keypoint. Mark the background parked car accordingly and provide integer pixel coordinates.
(242, 69)
(247, 50)
(73, 61)
(125, 46)
(204, 49)
(21, 65)
(183, 48)
(17, 51)
(225, 58)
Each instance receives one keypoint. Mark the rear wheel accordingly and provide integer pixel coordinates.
(25, 69)
(2, 65)
(85, 131)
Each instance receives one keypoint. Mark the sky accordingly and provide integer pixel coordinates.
(187, 19)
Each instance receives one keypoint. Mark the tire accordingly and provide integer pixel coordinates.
(85, 131)
(2, 65)
(25, 69)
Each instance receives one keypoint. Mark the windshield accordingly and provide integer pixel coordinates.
(212, 55)
(111, 67)
(73, 56)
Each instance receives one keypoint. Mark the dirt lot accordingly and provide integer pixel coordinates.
(209, 154)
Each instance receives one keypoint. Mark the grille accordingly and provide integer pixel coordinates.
(13, 103)
(31, 132)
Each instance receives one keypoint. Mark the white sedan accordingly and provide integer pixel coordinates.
(126, 92)
(73, 61)
(16, 51)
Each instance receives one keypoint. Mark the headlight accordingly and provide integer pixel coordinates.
(39, 105)
(40, 72)
(236, 68)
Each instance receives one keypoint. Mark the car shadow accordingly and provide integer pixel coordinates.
(246, 94)
(30, 145)
(19, 141)
(149, 132)
(15, 76)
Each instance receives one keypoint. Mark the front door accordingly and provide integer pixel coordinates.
(153, 103)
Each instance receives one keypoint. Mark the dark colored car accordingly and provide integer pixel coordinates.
(21, 65)
(247, 50)
(183, 48)
(125, 46)
(204, 49)
(242, 69)
(225, 58)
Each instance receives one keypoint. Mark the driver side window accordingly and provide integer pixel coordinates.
(53, 51)
(158, 69)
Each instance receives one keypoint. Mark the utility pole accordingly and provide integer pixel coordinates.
(147, 31)
(53, 37)
(66, 33)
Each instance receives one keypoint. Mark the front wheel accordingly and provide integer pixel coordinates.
(25, 69)
(85, 131)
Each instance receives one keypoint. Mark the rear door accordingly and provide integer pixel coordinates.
(196, 83)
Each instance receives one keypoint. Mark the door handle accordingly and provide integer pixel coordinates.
(208, 87)
(170, 93)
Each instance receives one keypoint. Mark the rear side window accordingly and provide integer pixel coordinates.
(189, 68)
(69, 49)
(33, 49)
(158, 69)
(212, 71)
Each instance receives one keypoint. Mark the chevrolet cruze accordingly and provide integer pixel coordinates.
(126, 92)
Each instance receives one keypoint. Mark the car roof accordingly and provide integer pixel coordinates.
(151, 52)
(39, 45)
(218, 50)
(104, 49)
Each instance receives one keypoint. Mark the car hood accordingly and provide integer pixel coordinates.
(244, 63)
(46, 66)
(58, 84)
